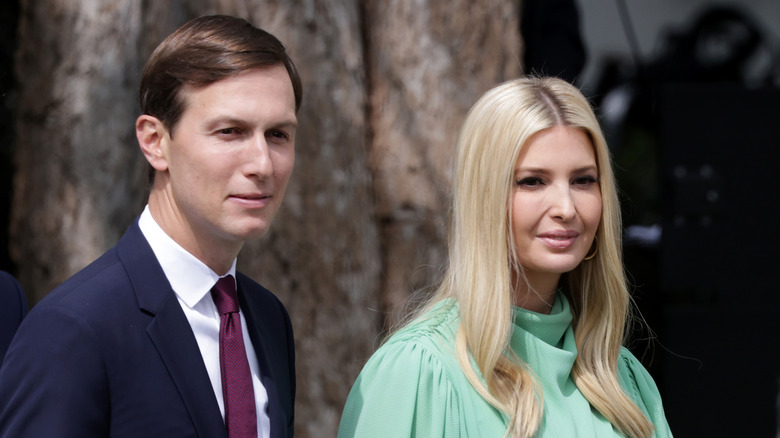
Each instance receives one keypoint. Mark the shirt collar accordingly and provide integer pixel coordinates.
(190, 278)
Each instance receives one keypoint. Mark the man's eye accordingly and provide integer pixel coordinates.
(279, 134)
(229, 131)
(529, 182)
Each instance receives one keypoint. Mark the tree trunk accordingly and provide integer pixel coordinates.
(428, 62)
(78, 179)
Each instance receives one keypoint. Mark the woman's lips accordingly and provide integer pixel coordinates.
(559, 239)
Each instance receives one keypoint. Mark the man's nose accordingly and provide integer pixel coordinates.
(259, 161)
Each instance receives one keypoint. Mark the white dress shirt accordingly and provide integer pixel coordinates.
(192, 281)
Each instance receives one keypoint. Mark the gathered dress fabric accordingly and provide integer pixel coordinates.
(413, 386)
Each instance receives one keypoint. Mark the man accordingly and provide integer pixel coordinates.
(143, 342)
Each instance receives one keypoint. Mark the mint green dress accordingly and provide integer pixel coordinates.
(414, 387)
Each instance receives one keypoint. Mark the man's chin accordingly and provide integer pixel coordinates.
(252, 232)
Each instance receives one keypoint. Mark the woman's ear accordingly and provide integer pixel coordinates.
(152, 138)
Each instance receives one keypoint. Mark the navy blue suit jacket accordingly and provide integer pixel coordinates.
(13, 307)
(110, 353)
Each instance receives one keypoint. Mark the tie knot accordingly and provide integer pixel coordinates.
(224, 295)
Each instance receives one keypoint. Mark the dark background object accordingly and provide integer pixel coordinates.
(552, 40)
(9, 10)
(720, 148)
(695, 133)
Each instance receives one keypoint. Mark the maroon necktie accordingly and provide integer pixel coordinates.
(240, 414)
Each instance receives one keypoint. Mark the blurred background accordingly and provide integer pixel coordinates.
(688, 93)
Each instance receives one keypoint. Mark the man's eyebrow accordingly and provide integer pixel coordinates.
(231, 120)
(290, 123)
(223, 120)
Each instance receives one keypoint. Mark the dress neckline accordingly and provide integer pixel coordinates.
(549, 328)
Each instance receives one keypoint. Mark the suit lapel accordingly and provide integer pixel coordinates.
(275, 413)
(171, 334)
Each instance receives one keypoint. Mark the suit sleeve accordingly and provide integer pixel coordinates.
(53, 382)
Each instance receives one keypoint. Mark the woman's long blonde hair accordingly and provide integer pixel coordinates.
(479, 275)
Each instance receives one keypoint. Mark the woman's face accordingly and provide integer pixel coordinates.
(556, 203)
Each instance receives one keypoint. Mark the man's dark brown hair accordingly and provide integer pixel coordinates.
(203, 51)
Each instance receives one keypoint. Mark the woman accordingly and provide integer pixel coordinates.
(524, 335)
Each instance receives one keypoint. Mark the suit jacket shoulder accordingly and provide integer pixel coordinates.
(108, 353)
(13, 308)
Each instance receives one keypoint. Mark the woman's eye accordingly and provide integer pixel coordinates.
(586, 180)
(531, 181)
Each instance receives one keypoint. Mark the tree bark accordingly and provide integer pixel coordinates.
(428, 62)
(78, 178)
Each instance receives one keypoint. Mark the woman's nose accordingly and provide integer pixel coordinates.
(562, 204)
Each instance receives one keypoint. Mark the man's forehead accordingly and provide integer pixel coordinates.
(268, 75)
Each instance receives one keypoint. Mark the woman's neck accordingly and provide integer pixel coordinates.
(535, 292)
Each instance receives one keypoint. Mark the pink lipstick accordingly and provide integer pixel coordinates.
(559, 239)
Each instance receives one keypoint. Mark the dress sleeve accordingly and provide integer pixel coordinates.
(641, 387)
(403, 391)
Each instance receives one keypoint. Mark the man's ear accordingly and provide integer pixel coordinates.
(152, 138)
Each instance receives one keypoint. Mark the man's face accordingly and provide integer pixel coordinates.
(229, 160)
